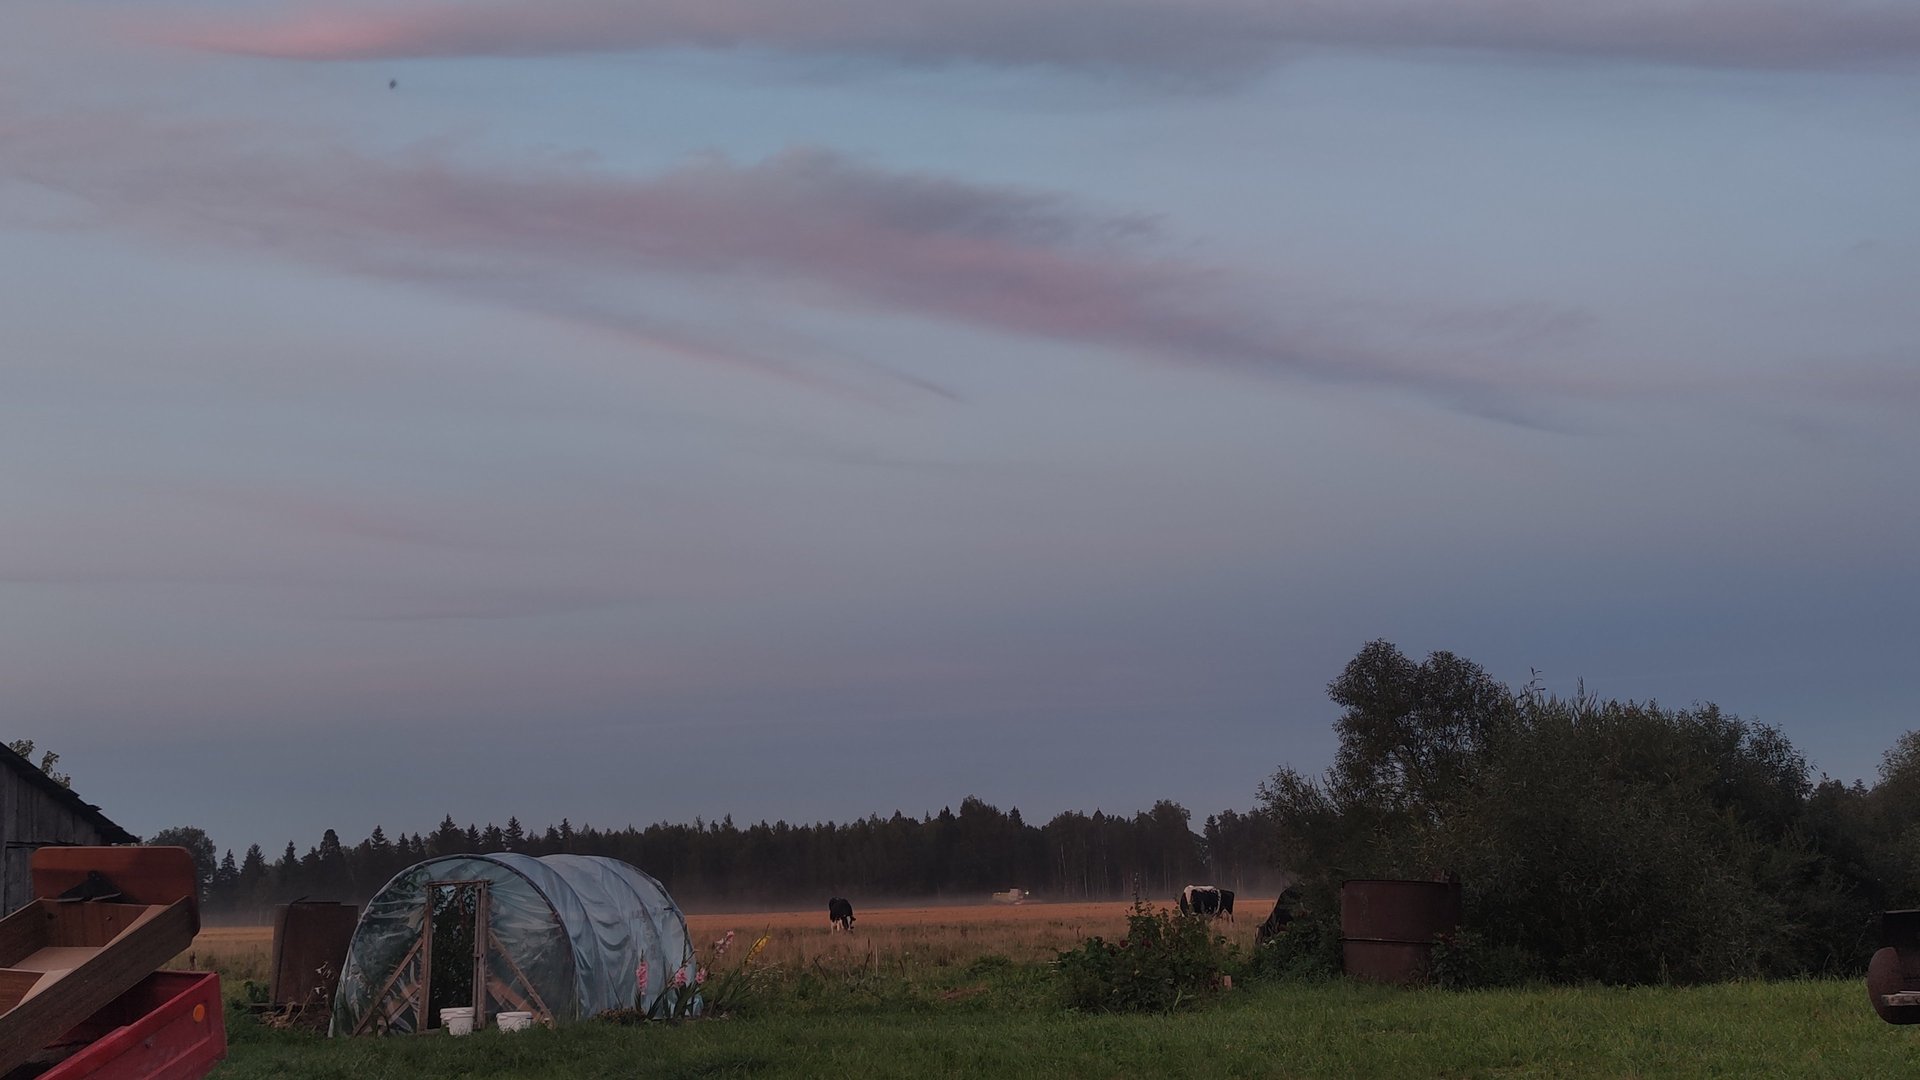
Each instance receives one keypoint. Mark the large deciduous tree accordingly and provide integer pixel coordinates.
(196, 841)
(1607, 840)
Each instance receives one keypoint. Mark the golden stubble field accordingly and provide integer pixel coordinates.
(882, 938)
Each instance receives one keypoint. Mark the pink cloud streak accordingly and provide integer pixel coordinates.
(806, 226)
(1184, 38)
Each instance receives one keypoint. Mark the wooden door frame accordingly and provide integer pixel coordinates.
(482, 936)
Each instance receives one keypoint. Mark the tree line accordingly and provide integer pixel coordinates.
(1594, 839)
(1598, 839)
(965, 855)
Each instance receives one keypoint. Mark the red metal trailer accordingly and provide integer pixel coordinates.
(168, 1027)
(79, 993)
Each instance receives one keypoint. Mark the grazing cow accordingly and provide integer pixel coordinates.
(1276, 923)
(839, 914)
(1207, 900)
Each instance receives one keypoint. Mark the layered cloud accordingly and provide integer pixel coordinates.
(1205, 39)
(805, 227)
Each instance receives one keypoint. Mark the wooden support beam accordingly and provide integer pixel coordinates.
(426, 964)
(505, 995)
(482, 933)
(379, 997)
(540, 1011)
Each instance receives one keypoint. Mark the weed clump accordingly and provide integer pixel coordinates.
(1167, 961)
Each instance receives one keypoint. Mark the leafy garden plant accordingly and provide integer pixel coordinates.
(1166, 961)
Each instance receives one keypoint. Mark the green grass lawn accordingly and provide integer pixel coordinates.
(1005, 1022)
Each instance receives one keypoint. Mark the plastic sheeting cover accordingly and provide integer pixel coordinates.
(639, 921)
(577, 927)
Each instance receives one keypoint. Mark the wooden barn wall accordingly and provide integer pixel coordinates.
(30, 817)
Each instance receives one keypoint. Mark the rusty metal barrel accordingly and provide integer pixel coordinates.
(1387, 928)
(1893, 976)
(310, 940)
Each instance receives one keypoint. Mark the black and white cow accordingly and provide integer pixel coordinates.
(1208, 900)
(839, 914)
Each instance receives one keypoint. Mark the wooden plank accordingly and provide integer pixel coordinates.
(398, 1006)
(540, 1012)
(56, 958)
(426, 964)
(505, 995)
(380, 995)
(139, 951)
(144, 875)
(15, 985)
(481, 932)
(92, 925)
(23, 933)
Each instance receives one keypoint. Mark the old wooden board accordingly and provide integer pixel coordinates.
(106, 967)
(142, 875)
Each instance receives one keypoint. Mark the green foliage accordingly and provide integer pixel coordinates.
(970, 851)
(708, 990)
(1466, 961)
(1595, 840)
(454, 912)
(197, 843)
(1166, 961)
(48, 759)
(1309, 949)
(990, 964)
(1331, 1030)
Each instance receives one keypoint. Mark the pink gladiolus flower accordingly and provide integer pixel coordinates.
(640, 975)
(680, 978)
(700, 977)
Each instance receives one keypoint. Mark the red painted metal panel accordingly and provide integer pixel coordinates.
(169, 1027)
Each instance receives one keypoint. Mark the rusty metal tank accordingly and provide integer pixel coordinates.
(1893, 976)
(1387, 928)
(310, 940)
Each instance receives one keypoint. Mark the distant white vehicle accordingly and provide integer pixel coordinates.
(1011, 896)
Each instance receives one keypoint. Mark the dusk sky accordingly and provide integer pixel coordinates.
(630, 410)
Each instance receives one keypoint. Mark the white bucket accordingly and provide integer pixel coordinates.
(514, 1021)
(457, 1021)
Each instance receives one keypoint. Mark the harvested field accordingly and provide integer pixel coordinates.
(939, 936)
(888, 938)
(236, 952)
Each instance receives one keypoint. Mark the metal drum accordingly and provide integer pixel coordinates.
(1893, 977)
(1387, 928)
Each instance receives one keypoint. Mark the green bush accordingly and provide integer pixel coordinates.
(1308, 949)
(1166, 961)
(1467, 961)
(1595, 839)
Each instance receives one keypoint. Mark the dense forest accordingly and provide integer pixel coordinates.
(957, 856)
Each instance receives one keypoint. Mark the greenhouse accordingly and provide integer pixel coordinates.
(561, 937)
